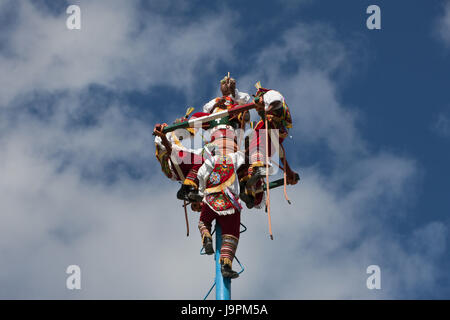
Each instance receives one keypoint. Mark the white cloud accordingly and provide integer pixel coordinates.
(129, 236)
(117, 47)
(314, 56)
(340, 223)
(443, 25)
(442, 125)
(51, 215)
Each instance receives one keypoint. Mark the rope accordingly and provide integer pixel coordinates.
(186, 217)
(209, 291)
(284, 174)
(267, 179)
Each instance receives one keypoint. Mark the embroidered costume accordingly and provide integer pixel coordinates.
(182, 163)
(278, 118)
(217, 177)
(219, 186)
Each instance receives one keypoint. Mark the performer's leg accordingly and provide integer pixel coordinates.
(230, 225)
(255, 170)
(191, 177)
(206, 218)
(256, 148)
(204, 226)
(191, 164)
(190, 183)
(258, 194)
(257, 156)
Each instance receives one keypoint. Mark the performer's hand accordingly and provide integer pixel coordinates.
(158, 129)
(291, 177)
(220, 102)
(259, 106)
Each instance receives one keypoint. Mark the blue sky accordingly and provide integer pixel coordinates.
(371, 132)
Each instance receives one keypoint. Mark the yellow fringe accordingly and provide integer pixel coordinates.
(189, 182)
(159, 152)
(257, 164)
(221, 187)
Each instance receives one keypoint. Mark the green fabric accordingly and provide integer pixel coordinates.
(216, 122)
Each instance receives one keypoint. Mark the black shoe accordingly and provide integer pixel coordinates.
(182, 194)
(194, 196)
(249, 200)
(227, 272)
(208, 245)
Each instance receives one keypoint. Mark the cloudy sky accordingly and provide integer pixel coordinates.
(79, 183)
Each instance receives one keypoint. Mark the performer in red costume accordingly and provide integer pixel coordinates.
(219, 189)
(178, 162)
(271, 106)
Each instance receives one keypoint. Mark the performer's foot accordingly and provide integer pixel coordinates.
(184, 191)
(208, 245)
(227, 272)
(249, 200)
(258, 173)
(194, 196)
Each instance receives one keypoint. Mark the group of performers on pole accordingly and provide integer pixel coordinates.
(230, 168)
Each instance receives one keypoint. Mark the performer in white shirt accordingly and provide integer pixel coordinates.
(228, 89)
(219, 189)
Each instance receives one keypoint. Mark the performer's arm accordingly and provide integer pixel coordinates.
(239, 159)
(209, 106)
(164, 141)
(203, 174)
(242, 97)
(270, 101)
